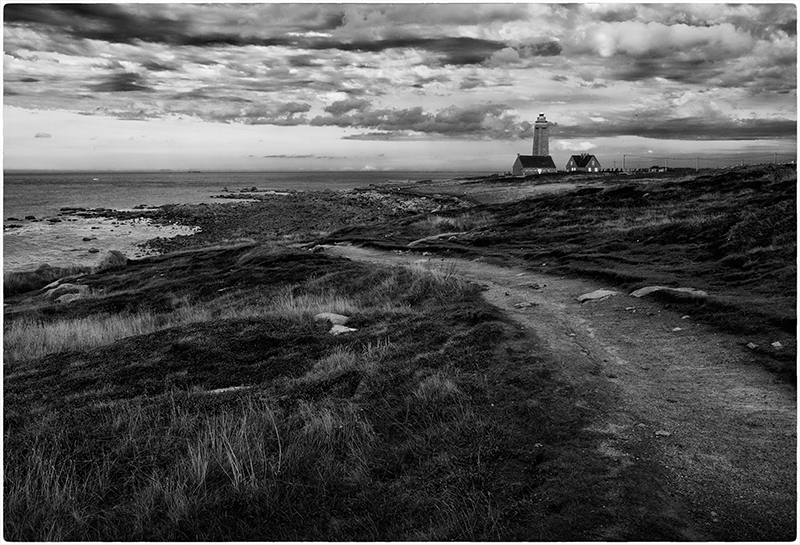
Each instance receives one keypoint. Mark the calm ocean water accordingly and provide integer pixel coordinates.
(42, 194)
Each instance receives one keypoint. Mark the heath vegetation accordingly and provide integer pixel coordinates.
(192, 395)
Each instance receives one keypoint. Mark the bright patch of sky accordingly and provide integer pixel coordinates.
(394, 86)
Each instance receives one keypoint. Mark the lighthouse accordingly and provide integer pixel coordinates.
(541, 141)
(539, 162)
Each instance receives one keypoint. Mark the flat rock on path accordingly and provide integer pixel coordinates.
(597, 295)
(652, 289)
(723, 429)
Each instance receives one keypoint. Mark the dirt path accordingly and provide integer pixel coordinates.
(724, 429)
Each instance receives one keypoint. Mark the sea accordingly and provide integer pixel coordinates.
(27, 244)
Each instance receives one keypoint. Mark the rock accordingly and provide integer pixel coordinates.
(69, 298)
(597, 295)
(677, 329)
(652, 289)
(87, 239)
(333, 318)
(524, 304)
(78, 290)
(663, 433)
(338, 329)
(12, 218)
(777, 345)
(94, 251)
(54, 220)
(30, 217)
(752, 346)
(114, 259)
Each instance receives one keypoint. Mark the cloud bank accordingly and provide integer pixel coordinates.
(405, 71)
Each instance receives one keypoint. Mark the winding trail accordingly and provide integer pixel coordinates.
(724, 429)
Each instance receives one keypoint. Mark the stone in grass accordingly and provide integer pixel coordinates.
(597, 295)
(77, 291)
(332, 317)
(338, 329)
(114, 259)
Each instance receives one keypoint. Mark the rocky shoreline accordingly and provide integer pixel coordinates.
(289, 216)
(250, 213)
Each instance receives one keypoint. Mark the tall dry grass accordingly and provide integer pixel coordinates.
(435, 224)
(270, 460)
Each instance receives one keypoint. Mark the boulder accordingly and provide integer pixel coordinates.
(77, 290)
(597, 295)
(333, 318)
(114, 259)
(652, 289)
(69, 297)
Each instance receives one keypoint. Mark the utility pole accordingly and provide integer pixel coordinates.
(665, 163)
(697, 164)
(775, 159)
(623, 161)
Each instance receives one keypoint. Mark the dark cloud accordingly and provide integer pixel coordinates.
(343, 106)
(119, 23)
(107, 22)
(685, 128)
(789, 27)
(421, 82)
(28, 80)
(122, 82)
(618, 14)
(153, 66)
(472, 83)
(287, 156)
(448, 51)
(542, 49)
(477, 122)
(43, 135)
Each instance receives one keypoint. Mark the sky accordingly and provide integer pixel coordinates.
(277, 86)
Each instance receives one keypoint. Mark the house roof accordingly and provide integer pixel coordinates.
(536, 161)
(582, 160)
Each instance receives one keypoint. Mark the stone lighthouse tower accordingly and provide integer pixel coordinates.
(541, 143)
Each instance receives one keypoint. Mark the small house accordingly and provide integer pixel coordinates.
(583, 163)
(526, 165)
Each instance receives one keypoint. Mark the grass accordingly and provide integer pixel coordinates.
(232, 415)
(730, 232)
(240, 418)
